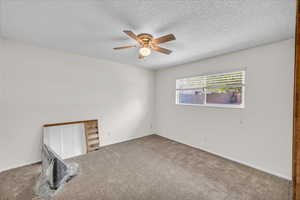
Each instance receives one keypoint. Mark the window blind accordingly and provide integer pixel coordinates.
(223, 80)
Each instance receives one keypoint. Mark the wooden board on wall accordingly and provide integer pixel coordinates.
(92, 135)
(296, 136)
(91, 132)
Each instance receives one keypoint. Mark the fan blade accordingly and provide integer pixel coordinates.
(124, 47)
(164, 39)
(133, 36)
(162, 50)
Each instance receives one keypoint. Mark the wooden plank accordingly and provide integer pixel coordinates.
(92, 135)
(296, 120)
(96, 145)
(67, 123)
(91, 140)
(86, 136)
(94, 149)
(92, 125)
(93, 130)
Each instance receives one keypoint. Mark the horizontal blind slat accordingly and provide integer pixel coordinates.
(201, 88)
(225, 80)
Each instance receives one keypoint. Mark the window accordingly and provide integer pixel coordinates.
(218, 90)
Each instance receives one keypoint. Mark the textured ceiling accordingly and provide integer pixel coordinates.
(204, 28)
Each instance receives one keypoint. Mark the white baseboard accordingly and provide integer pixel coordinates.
(234, 160)
(23, 164)
(204, 149)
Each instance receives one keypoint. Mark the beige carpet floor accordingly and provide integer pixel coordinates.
(152, 168)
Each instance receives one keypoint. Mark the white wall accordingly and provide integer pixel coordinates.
(39, 86)
(259, 135)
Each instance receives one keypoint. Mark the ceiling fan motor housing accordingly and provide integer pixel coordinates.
(146, 38)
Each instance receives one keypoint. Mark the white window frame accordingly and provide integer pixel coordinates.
(211, 104)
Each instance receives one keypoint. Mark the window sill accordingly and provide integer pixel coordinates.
(213, 105)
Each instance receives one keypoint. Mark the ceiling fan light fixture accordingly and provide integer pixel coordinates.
(144, 51)
(146, 43)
